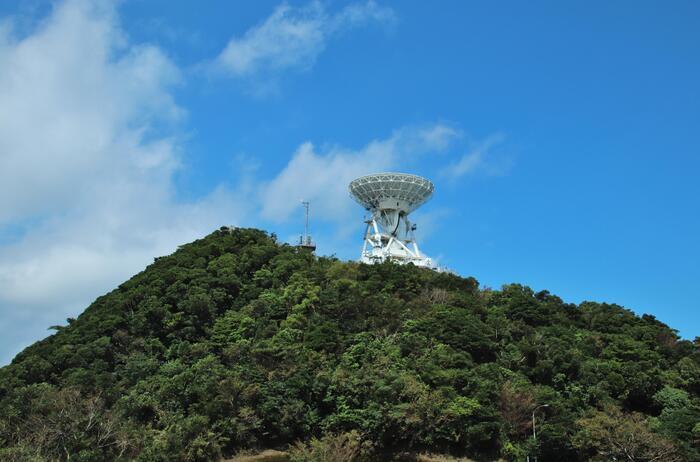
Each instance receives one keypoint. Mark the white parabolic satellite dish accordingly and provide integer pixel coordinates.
(390, 197)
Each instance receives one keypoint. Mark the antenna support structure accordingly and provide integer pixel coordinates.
(390, 198)
(305, 241)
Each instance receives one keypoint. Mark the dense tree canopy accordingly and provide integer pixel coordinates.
(236, 341)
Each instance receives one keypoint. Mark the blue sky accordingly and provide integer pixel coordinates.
(562, 138)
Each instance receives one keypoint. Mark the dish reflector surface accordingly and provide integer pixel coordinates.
(369, 190)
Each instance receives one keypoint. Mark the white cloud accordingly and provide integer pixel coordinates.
(440, 136)
(70, 96)
(88, 149)
(323, 178)
(292, 38)
(477, 159)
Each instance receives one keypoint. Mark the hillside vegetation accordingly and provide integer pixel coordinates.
(237, 342)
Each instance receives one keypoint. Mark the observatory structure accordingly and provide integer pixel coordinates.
(390, 198)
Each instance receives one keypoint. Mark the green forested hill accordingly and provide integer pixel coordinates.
(236, 341)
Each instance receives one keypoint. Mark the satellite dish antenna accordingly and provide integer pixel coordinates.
(390, 198)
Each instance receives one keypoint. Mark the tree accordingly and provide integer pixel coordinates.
(612, 434)
(64, 425)
(236, 341)
(516, 405)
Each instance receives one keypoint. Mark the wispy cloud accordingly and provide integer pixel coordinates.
(291, 38)
(323, 177)
(440, 136)
(479, 158)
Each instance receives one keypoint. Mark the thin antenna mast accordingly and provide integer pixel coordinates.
(305, 241)
(305, 204)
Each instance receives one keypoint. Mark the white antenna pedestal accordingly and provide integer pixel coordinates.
(390, 198)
